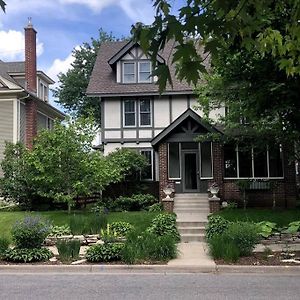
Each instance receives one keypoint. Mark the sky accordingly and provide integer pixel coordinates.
(62, 25)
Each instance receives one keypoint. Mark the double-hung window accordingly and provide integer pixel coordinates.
(129, 113)
(147, 173)
(129, 72)
(145, 112)
(144, 71)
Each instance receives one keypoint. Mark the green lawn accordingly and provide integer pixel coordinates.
(281, 217)
(140, 220)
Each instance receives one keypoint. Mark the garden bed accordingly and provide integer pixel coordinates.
(261, 259)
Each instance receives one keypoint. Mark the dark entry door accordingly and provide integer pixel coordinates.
(190, 172)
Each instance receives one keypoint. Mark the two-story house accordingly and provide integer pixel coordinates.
(164, 128)
(24, 97)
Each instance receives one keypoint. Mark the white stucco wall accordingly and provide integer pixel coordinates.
(112, 113)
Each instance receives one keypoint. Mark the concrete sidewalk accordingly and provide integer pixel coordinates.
(193, 254)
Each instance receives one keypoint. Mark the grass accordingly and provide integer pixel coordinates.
(140, 220)
(280, 217)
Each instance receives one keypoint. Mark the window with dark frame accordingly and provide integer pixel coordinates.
(246, 162)
(144, 71)
(145, 112)
(147, 173)
(129, 113)
(129, 72)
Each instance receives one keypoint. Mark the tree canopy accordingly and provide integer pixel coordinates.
(71, 93)
(269, 27)
(2, 5)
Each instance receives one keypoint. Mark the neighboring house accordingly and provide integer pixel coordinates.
(24, 98)
(164, 128)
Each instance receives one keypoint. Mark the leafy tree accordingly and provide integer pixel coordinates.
(2, 5)
(262, 103)
(63, 164)
(16, 182)
(71, 91)
(270, 26)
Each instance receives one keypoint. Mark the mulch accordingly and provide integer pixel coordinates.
(261, 259)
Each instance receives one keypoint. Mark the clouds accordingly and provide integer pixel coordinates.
(136, 10)
(13, 44)
(60, 66)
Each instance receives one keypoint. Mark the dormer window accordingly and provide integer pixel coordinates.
(144, 71)
(129, 72)
(136, 72)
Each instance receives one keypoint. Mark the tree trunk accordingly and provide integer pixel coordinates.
(69, 207)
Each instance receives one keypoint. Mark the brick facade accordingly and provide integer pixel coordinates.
(31, 122)
(30, 59)
(284, 192)
(163, 170)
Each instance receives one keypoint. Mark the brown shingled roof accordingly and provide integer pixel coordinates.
(103, 79)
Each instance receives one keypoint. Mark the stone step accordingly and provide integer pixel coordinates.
(191, 205)
(183, 230)
(185, 238)
(181, 224)
(188, 200)
(192, 210)
(182, 195)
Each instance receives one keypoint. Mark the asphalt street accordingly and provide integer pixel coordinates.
(149, 286)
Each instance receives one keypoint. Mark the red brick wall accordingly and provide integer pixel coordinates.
(284, 192)
(163, 170)
(31, 122)
(30, 58)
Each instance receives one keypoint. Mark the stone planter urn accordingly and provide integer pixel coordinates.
(168, 202)
(214, 189)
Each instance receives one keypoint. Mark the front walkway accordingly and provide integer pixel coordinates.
(193, 254)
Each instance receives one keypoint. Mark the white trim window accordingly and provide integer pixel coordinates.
(147, 174)
(129, 75)
(145, 112)
(247, 162)
(129, 113)
(144, 69)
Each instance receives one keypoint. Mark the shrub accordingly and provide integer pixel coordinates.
(156, 207)
(221, 248)
(68, 249)
(135, 202)
(27, 255)
(244, 235)
(265, 228)
(59, 230)
(105, 252)
(216, 226)
(4, 244)
(121, 228)
(30, 232)
(87, 224)
(164, 224)
(108, 235)
(293, 227)
(148, 247)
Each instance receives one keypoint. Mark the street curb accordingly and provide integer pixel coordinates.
(107, 269)
(258, 269)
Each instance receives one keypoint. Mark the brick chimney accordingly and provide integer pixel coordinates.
(30, 83)
(30, 57)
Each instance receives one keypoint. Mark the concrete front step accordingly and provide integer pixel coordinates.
(198, 224)
(182, 195)
(190, 206)
(191, 210)
(194, 203)
(183, 230)
(189, 237)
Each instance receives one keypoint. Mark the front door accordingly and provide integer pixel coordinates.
(190, 172)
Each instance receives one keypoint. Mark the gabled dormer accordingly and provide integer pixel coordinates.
(132, 65)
